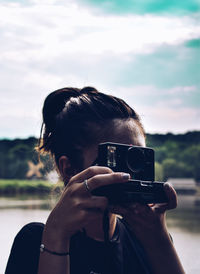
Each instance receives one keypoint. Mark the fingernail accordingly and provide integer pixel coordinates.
(167, 185)
(126, 176)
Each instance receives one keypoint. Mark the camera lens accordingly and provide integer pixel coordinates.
(135, 159)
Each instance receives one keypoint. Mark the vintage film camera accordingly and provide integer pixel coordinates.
(139, 163)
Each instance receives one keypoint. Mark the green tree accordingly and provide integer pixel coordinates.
(175, 169)
(191, 157)
(158, 172)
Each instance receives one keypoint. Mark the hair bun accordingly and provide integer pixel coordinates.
(55, 102)
(89, 90)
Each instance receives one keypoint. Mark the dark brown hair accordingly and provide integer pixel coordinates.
(74, 119)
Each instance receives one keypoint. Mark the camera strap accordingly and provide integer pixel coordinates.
(112, 266)
(106, 226)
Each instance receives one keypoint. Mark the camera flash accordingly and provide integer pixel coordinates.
(111, 156)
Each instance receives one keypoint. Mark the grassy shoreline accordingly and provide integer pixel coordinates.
(17, 186)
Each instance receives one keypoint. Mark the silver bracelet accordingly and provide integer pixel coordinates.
(43, 249)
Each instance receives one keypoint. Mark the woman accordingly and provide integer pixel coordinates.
(75, 121)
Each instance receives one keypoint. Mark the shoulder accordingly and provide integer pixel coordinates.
(31, 229)
(29, 236)
(24, 253)
(31, 232)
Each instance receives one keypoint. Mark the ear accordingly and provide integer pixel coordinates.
(65, 168)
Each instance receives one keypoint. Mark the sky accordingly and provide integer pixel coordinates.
(145, 51)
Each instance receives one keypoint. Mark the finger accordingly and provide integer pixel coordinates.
(107, 179)
(133, 209)
(88, 173)
(171, 195)
(172, 200)
(141, 209)
(132, 218)
(118, 210)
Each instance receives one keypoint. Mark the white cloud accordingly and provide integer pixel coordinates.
(19, 118)
(46, 44)
(168, 119)
(147, 90)
(182, 90)
(161, 109)
(41, 31)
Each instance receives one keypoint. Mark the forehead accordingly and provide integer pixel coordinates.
(119, 131)
(125, 132)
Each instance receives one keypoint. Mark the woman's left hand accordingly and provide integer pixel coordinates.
(147, 221)
(149, 225)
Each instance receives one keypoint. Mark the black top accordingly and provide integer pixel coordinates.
(122, 255)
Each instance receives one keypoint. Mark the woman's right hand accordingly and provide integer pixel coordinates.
(77, 207)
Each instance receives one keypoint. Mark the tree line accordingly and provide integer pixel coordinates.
(176, 155)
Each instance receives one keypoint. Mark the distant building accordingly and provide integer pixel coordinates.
(183, 185)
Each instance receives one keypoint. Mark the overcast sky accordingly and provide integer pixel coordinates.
(145, 51)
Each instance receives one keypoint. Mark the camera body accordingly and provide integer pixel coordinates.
(135, 160)
(139, 163)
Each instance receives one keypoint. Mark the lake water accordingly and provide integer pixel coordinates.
(183, 224)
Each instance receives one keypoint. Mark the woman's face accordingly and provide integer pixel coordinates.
(124, 132)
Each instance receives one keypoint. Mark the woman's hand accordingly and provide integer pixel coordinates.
(77, 207)
(75, 210)
(147, 220)
(149, 225)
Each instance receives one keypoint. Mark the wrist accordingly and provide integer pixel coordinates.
(152, 235)
(44, 249)
(158, 241)
(54, 239)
